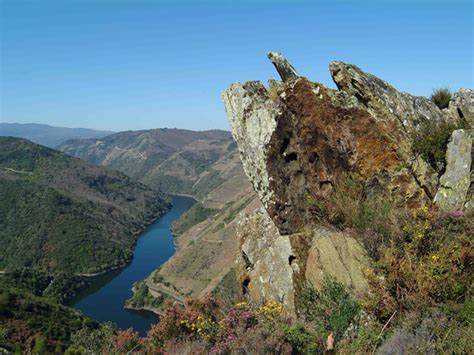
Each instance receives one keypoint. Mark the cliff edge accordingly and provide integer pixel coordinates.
(304, 147)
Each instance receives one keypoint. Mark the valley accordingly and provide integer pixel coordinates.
(172, 183)
(63, 215)
(105, 298)
(205, 165)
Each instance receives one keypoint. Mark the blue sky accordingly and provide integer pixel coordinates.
(147, 64)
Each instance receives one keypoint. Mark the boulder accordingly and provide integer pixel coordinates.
(269, 274)
(461, 107)
(277, 267)
(455, 191)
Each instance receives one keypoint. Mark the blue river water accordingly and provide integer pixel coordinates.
(104, 299)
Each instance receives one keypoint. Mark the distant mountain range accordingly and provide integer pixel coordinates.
(48, 135)
(173, 160)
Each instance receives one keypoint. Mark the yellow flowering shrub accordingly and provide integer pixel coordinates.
(202, 327)
(270, 310)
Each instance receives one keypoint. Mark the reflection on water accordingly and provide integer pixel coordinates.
(104, 299)
(95, 284)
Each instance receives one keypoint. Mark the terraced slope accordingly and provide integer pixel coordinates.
(174, 160)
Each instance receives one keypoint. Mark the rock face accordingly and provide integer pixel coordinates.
(268, 276)
(299, 141)
(461, 107)
(274, 266)
(455, 183)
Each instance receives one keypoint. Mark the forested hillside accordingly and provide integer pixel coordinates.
(60, 213)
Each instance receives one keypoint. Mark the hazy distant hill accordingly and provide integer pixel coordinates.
(48, 135)
(63, 214)
(174, 160)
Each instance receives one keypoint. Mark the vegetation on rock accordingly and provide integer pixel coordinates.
(441, 97)
(420, 299)
(431, 140)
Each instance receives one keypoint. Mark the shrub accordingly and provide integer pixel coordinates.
(87, 341)
(433, 263)
(126, 341)
(260, 340)
(431, 140)
(366, 339)
(441, 97)
(370, 215)
(197, 320)
(432, 334)
(331, 309)
(302, 340)
(40, 345)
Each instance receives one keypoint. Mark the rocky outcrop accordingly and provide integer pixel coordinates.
(269, 275)
(274, 266)
(383, 101)
(454, 192)
(300, 141)
(461, 107)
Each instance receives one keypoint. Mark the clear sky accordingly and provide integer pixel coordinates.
(118, 65)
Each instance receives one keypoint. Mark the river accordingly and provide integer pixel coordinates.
(104, 299)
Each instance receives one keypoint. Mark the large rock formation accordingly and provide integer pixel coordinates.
(299, 141)
(275, 266)
(453, 193)
(461, 107)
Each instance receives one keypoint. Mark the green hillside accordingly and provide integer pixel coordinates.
(31, 322)
(60, 213)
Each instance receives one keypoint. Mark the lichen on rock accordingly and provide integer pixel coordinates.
(457, 180)
(461, 107)
(303, 140)
(277, 267)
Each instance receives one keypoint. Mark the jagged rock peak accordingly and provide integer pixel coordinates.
(381, 99)
(298, 139)
(461, 107)
(283, 67)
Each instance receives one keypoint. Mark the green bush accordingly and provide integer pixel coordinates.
(371, 217)
(330, 309)
(430, 333)
(431, 140)
(441, 97)
(302, 341)
(367, 338)
(430, 265)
